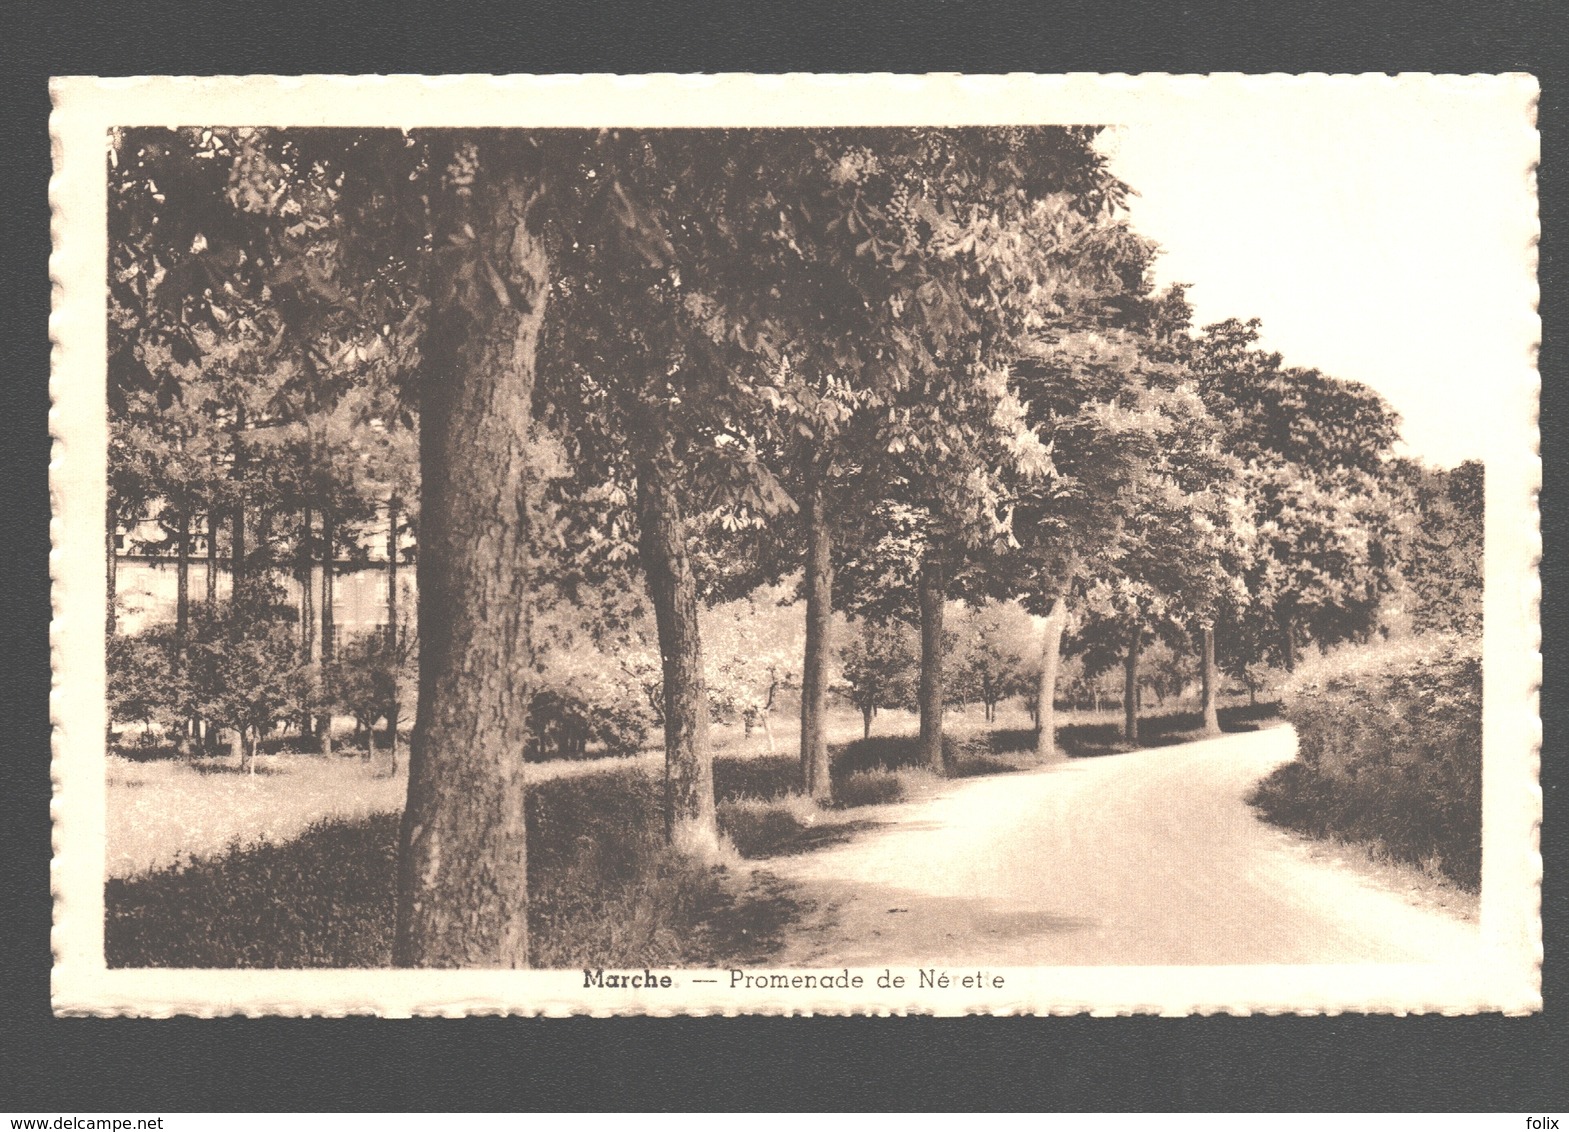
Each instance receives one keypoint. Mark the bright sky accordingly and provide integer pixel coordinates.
(1380, 239)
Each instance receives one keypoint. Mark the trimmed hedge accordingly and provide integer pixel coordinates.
(1389, 753)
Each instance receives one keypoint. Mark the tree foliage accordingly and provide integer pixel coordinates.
(878, 664)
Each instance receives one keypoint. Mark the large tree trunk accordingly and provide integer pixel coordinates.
(1211, 682)
(1130, 687)
(329, 624)
(690, 822)
(933, 587)
(1288, 641)
(1051, 659)
(867, 711)
(462, 864)
(819, 619)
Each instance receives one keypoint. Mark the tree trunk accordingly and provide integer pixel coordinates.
(263, 551)
(392, 645)
(329, 622)
(867, 711)
(1051, 659)
(690, 822)
(329, 625)
(237, 549)
(392, 738)
(819, 618)
(182, 581)
(462, 862)
(392, 576)
(1211, 682)
(933, 586)
(212, 560)
(237, 511)
(1288, 643)
(1130, 687)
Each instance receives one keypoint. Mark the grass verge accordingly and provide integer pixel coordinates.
(1165, 729)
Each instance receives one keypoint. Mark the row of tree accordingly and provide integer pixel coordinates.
(916, 366)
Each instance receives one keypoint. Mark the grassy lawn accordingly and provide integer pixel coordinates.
(166, 811)
(294, 866)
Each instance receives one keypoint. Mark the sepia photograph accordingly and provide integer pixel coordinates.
(882, 544)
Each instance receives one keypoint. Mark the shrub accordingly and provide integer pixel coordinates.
(752, 654)
(356, 683)
(885, 752)
(243, 660)
(144, 682)
(1390, 752)
(324, 899)
(1010, 741)
(759, 827)
(598, 707)
(996, 656)
(973, 764)
(868, 788)
(1082, 740)
(564, 724)
(372, 677)
(604, 889)
(764, 777)
(879, 667)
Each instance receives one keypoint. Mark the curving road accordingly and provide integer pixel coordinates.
(1146, 858)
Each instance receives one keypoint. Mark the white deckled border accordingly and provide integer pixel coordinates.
(1505, 975)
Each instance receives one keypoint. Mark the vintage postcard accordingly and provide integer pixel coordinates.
(795, 544)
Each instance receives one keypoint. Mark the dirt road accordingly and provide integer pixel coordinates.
(1146, 858)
